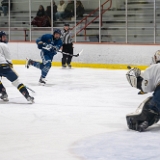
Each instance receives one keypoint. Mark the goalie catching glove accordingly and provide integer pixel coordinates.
(134, 78)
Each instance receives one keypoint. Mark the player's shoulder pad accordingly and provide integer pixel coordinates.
(47, 38)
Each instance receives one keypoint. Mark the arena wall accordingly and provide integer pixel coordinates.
(112, 56)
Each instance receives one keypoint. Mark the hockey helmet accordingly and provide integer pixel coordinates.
(156, 57)
(2, 33)
(57, 31)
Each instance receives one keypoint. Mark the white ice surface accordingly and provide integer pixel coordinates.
(75, 108)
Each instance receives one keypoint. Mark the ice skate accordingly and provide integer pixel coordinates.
(42, 81)
(69, 65)
(64, 66)
(4, 96)
(30, 99)
(28, 62)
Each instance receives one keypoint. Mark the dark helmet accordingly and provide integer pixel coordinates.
(2, 33)
(57, 31)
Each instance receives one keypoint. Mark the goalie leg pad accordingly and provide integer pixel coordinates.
(143, 113)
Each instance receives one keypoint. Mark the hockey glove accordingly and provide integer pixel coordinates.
(137, 72)
(134, 78)
(41, 44)
(48, 47)
(55, 48)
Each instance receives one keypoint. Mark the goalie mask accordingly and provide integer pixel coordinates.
(156, 57)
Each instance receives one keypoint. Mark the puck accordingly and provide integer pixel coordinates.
(128, 67)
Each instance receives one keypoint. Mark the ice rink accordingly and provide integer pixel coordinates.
(79, 114)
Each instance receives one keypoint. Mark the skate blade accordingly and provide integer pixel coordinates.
(30, 99)
(32, 102)
(42, 84)
(5, 99)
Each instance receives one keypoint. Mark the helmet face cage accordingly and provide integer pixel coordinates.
(157, 56)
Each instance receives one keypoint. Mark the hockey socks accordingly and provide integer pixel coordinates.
(34, 64)
(37, 64)
(25, 92)
(44, 68)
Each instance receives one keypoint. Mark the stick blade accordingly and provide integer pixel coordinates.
(77, 55)
(80, 52)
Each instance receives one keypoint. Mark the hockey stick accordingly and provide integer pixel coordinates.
(73, 55)
(30, 89)
(48, 48)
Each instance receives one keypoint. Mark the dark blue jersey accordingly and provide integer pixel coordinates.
(48, 40)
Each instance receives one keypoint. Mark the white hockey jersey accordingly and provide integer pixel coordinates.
(5, 56)
(151, 78)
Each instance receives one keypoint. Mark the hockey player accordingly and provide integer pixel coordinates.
(148, 112)
(6, 71)
(49, 45)
(67, 46)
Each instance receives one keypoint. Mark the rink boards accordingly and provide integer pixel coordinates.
(111, 56)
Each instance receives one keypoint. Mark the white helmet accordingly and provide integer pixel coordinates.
(156, 57)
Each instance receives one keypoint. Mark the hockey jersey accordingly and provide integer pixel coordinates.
(5, 55)
(48, 40)
(151, 78)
